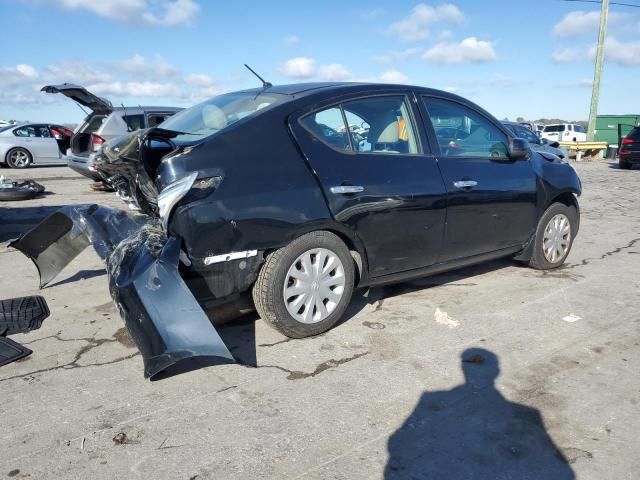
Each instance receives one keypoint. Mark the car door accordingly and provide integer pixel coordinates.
(491, 203)
(378, 176)
(37, 139)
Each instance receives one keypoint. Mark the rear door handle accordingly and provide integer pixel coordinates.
(465, 184)
(345, 189)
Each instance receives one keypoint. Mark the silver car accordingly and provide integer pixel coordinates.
(33, 143)
(104, 123)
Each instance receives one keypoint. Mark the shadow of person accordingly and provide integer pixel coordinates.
(473, 433)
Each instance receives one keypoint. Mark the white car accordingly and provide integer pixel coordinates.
(564, 132)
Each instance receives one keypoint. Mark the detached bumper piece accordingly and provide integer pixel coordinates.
(160, 312)
(11, 351)
(19, 315)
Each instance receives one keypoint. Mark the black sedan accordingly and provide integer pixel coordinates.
(272, 192)
(629, 153)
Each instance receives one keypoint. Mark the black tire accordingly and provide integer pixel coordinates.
(624, 164)
(13, 194)
(268, 290)
(538, 259)
(11, 162)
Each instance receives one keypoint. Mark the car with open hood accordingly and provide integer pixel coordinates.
(271, 193)
(104, 123)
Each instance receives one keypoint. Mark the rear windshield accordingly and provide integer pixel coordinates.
(635, 133)
(92, 123)
(554, 128)
(216, 114)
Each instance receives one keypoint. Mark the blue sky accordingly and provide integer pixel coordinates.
(515, 58)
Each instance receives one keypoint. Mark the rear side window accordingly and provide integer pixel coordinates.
(635, 133)
(554, 128)
(93, 123)
(27, 131)
(463, 132)
(369, 125)
(155, 119)
(329, 126)
(134, 122)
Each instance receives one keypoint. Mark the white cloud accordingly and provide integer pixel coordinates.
(135, 89)
(396, 56)
(16, 76)
(585, 82)
(452, 89)
(299, 67)
(567, 55)
(626, 54)
(580, 22)
(200, 80)
(141, 66)
(152, 12)
(75, 71)
(393, 76)
(334, 72)
(291, 40)
(416, 26)
(468, 50)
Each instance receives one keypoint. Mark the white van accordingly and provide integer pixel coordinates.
(564, 132)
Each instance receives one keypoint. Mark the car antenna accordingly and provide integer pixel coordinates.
(129, 129)
(265, 84)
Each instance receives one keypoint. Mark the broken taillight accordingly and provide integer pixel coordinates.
(96, 142)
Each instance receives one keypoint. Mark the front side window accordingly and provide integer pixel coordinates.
(462, 132)
(578, 129)
(373, 125)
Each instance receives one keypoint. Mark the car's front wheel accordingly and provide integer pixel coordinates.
(304, 288)
(554, 236)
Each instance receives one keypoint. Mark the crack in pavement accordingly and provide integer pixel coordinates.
(92, 343)
(587, 261)
(329, 364)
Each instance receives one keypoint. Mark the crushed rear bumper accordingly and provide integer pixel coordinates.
(163, 317)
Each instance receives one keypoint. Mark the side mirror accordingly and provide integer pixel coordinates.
(545, 140)
(554, 144)
(519, 149)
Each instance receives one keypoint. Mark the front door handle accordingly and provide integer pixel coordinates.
(465, 184)
(346, 189)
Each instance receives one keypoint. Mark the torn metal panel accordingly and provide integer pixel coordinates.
(162, 315)
(160, 312)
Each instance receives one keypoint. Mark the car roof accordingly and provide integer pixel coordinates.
(299, 90)
(142, 109)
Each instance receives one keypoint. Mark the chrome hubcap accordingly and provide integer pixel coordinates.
(557, 238)
(314, 285)
(19, 159)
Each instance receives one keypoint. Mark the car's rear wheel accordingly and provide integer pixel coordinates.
(19, 158)
(554, 236)
(624, 164)
(304, 288)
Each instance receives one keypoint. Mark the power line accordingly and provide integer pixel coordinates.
(600, 2)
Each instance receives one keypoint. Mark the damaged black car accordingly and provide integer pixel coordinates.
(296, 195)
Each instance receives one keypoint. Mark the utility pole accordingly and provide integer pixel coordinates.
(595, 92)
